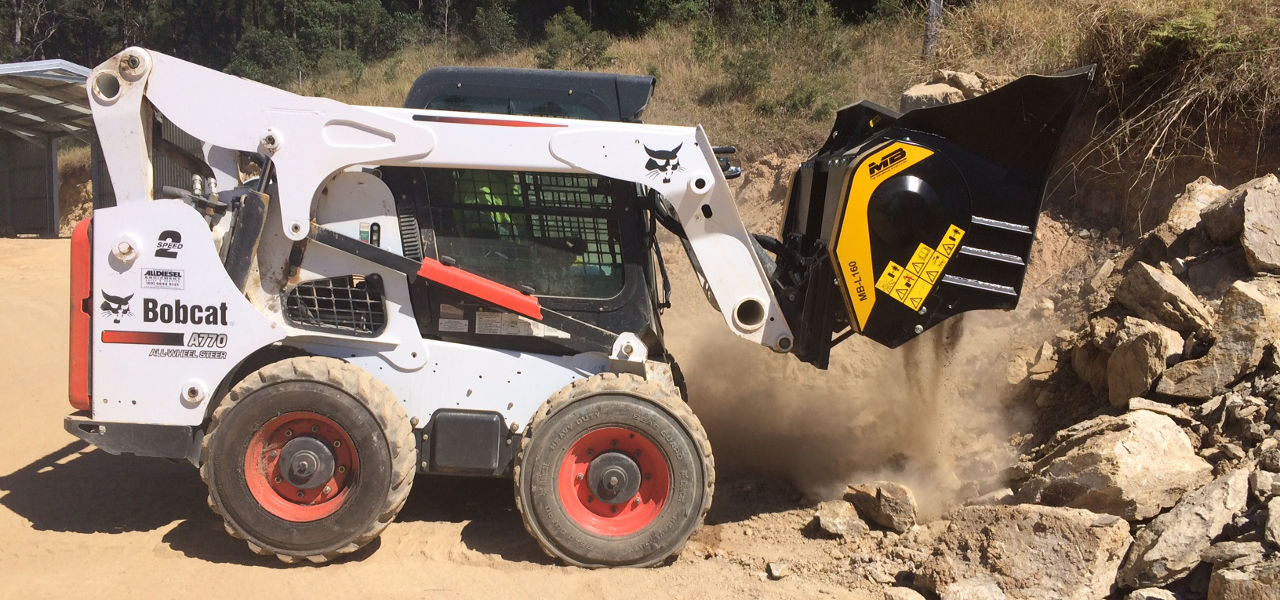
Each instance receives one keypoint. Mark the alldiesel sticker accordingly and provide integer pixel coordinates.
(162, 279)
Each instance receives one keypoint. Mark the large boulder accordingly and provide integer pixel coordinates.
(1248, 323)
(1198, 196)
(1255, 582)
(1170, 546)
(838, 519)
(1158, 296)
(1025, 552)
(926, 95)
(1178, 235)
(884, 503)
(1143, 350)
(969, 84)
(1261, 235)
(1223, 219)
(1131, 466)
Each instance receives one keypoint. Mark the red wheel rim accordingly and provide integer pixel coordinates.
(274, 492)
(599, 517)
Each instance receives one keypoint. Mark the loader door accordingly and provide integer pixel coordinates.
(577, 242)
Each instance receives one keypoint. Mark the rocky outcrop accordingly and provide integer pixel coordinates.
(1249, 324)
(1171, 545)
(946, 87)
(1160, 297)
(884, 503)
(1019, 552)
(927, 95)
(1131, 466)
(1223, 219)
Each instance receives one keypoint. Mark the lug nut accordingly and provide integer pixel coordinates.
(327, 489)
(288, 433)
(278, 479)
(343, 468)
(301, 493)
(337, 443)
(580, 476)
(315, 428)
(273, 454)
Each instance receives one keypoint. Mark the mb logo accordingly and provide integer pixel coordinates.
(878, 166)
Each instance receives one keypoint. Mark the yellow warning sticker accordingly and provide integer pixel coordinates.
(951, 241)
(889, 277)
(915, 297)
(903, 286)
(910, 285)
(920, 259)
(933, 269)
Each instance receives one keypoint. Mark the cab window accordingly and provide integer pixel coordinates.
(557, 234)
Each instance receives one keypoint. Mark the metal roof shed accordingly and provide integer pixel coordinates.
(41, 102)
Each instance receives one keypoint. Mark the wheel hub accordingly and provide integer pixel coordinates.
(306, 463)
(614, 477)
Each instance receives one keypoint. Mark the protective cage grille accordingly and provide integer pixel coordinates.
(351, 305)
(555, 233)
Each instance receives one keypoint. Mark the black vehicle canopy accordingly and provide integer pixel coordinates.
(533, 92)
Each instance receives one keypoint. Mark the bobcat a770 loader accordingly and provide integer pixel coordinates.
(471, 285)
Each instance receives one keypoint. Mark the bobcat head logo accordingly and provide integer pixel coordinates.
(663, 163)
(115, 306)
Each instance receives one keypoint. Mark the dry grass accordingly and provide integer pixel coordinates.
(874, 62)
(1185, 88)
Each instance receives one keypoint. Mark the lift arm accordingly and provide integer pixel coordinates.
(308, 139)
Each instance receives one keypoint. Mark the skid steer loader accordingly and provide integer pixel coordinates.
(471, 285)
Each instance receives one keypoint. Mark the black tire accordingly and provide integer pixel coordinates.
(341, 400)
(584, 410)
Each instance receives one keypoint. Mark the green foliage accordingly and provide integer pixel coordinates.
(1188, 37)
(267, 57)
(704, 41)
(571, 40)
(654, 72)
(747, 72)
(493, 28)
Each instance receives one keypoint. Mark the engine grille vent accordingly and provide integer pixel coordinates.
(351, 305)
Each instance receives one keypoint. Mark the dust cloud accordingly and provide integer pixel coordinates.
(935, 414)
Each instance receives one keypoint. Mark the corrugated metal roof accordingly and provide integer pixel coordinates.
(45, 98)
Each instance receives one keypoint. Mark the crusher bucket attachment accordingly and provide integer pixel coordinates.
(902, 221)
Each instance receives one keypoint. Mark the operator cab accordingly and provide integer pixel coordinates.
(583, 244)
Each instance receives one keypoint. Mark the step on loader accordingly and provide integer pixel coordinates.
(314, 302)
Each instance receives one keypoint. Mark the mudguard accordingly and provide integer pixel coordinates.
(920, 216)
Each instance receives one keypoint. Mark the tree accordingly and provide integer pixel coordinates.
(571, 39)
(931, 29)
